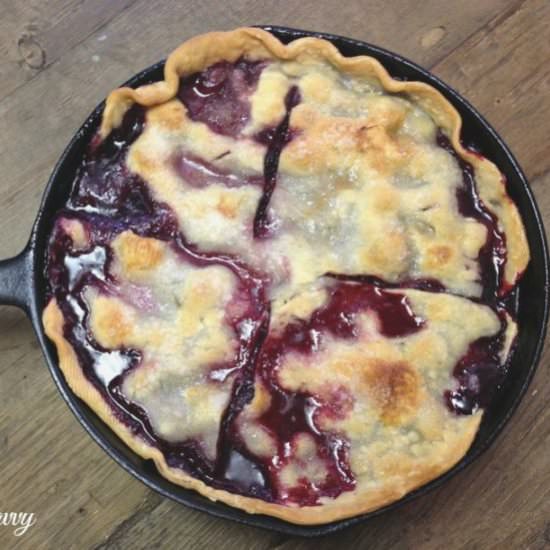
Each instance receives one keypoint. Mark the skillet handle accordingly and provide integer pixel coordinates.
(16, 281)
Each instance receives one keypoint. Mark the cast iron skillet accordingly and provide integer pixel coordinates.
(22, 284)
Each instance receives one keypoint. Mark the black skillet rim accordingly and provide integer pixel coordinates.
(143, 470)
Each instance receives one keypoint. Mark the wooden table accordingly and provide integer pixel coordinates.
(57, 60)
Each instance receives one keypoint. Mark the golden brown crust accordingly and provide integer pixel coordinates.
(201, 51)
(347, 506)
(396, 391)
(395, 386)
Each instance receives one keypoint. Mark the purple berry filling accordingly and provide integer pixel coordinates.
(219, 95)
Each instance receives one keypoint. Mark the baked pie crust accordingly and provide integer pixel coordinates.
(303, 307)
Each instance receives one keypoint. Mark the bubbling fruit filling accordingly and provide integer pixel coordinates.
(219, 95)
(261, 390)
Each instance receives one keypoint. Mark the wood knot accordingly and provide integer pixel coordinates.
(31, 52)
(432, 37)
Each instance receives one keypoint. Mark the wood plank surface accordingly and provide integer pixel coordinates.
(57, 60)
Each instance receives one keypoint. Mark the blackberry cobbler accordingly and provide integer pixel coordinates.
(282, 277)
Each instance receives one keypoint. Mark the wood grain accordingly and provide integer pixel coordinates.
(504, 71)
(33, 35)
(496, 52)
